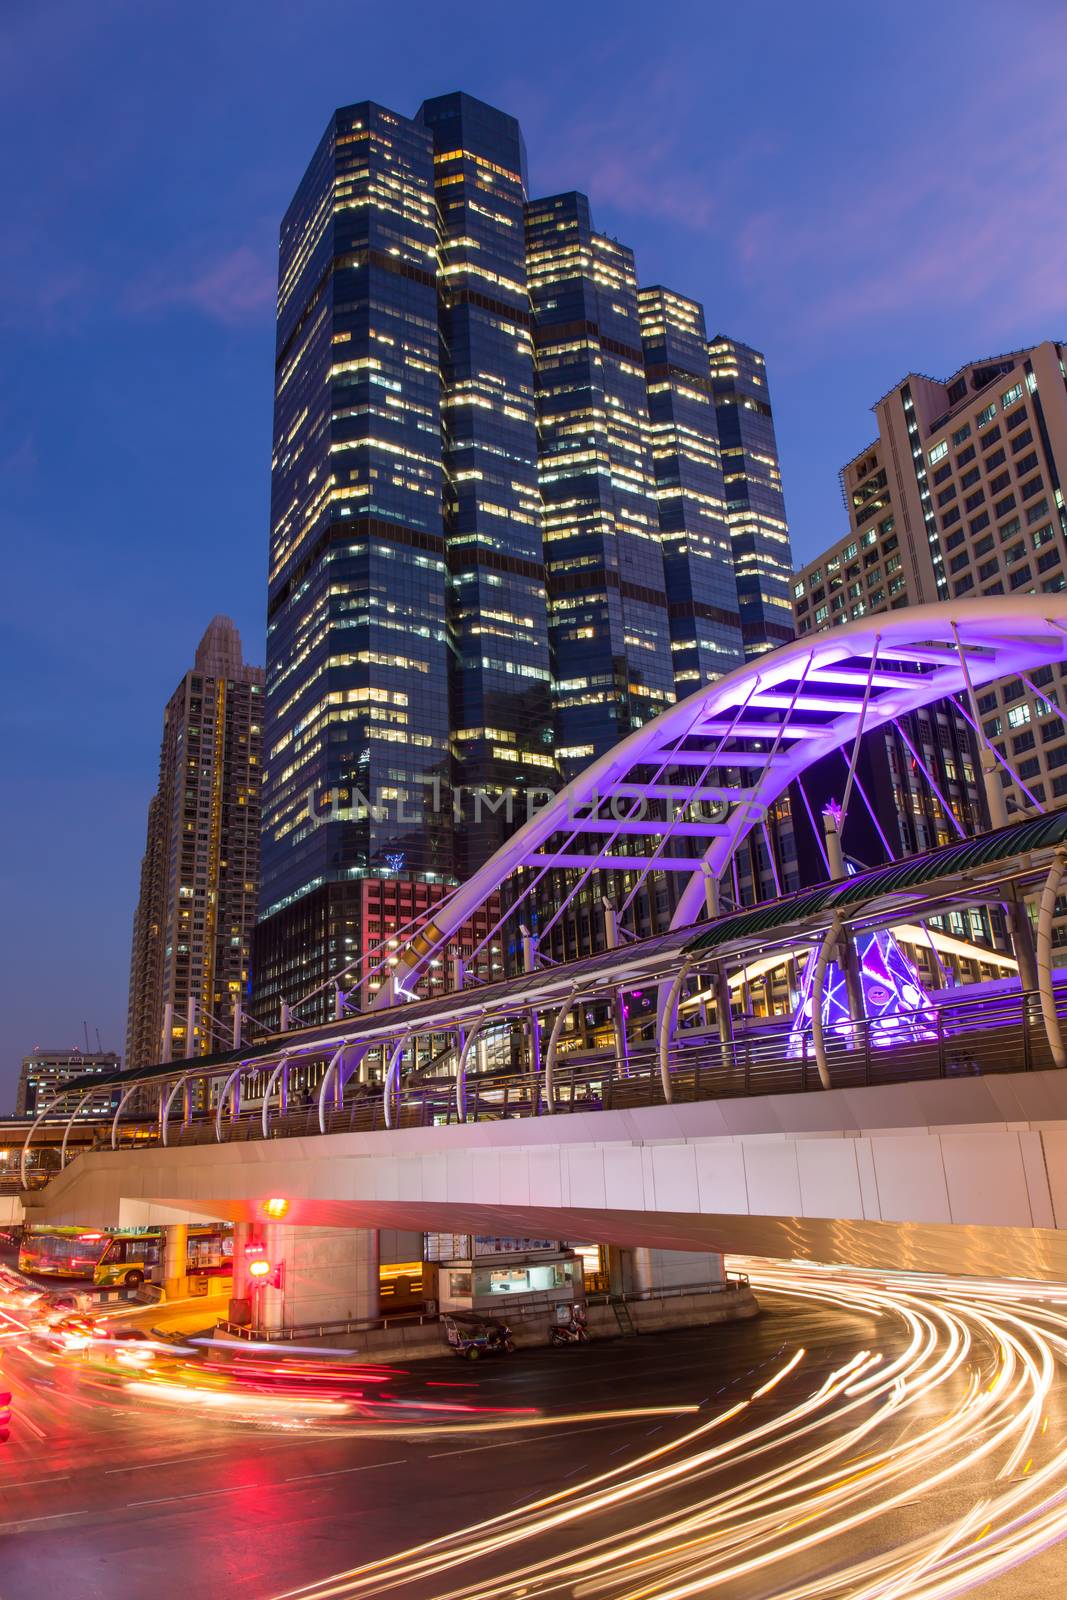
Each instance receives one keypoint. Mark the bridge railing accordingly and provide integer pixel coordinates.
(997, 1034)
(1002, 1033)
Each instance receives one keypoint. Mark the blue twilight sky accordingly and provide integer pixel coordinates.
(858, 190)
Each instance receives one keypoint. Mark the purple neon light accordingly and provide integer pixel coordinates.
(895, 1003)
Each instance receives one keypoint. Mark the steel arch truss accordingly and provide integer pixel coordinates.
(681, 793)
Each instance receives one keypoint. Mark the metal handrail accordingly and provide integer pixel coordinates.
(998, 1033)
(305, 1330)
(732, 1281)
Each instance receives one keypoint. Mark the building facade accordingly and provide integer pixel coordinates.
(500, 716)
(755, 504)
(357, 750)
(607, 598)
(196, 909)
(45, 1073)
(500, 537)
(695, 537)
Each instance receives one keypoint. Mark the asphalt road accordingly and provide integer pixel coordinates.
(110, 1494)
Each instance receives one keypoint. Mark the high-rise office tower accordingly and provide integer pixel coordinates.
(697, 556)
(471, 506)
(608, 624)
(357, 661)
(200, 873)
(498, 627)
(363, 647)
(755, 505)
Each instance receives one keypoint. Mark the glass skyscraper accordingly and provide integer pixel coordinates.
(357, 714)
(705, 623)
(755, 506)
(500, 533)
(608, 624)
(498, 627)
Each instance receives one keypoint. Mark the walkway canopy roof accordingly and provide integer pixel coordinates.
(968, 861)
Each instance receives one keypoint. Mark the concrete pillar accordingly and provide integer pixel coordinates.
(618, 1263)
(176, 1260)
(329, 1275)
(831, 821)
(652, 1271)
(1022, 939)
(995, 796)
(240, 1305)
(724, 1014)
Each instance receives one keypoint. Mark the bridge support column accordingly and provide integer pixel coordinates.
(724, 1015)
(618, 1004)
(720, 982)
(329, 1275)
(832, 820)
(835, 855)
(1022, 940)
(533, 1038)
(176, 1260)
(1053, 1032)
(1019, 929)
(652, 1272)
(240, 1310)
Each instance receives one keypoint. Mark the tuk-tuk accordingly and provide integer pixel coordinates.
(472, 1336)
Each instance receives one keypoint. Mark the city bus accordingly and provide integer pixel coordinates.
(122, 1257)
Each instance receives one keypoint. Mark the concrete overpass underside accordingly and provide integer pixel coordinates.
(955, 1176)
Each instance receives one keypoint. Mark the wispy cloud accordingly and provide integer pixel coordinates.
(945, 217)
(971, 223)
(651, 166)
(232, 288)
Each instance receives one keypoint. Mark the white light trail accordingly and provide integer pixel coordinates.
(771, 1505)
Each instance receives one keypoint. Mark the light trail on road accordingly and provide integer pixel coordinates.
(756, 1505)
(282, 1392)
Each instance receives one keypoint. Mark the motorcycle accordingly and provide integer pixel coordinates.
(568, 1333)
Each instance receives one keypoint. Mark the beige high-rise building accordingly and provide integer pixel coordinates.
(45, 1073)
(961, 495)
(193, 925)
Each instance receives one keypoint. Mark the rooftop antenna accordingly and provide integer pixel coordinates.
(85, 1030)
(99, 1046)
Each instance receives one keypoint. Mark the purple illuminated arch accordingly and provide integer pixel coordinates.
(711, 765)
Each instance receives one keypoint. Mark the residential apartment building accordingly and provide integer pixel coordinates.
(45, 1073)
(500, 539)
(196, 909)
